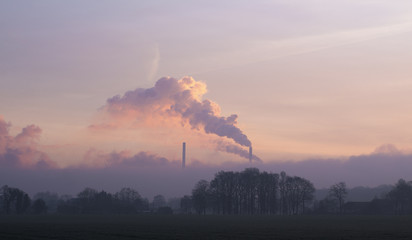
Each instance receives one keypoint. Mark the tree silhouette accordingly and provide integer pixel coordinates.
(200, 196)
(51, 199)
(401, 196)
(267, 192)
(252, 192)
(14, 200)
(339, 192)
(39, 206)
(295, 191)
(283, 193)
(128, 200)
(186, 204)
(127, 195)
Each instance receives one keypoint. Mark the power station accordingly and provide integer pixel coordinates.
(184, 155)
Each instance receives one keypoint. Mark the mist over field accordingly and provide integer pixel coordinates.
(169, 179)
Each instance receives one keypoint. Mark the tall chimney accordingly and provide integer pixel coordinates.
(250, 154)
(184, 155)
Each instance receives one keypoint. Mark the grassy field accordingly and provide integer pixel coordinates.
(205, 227)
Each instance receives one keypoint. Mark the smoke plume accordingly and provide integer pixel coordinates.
(231, 148)
(182, 99)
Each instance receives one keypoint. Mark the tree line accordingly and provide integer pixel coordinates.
(255, 192)
(88, 201)
(249, 192)
(252, 192)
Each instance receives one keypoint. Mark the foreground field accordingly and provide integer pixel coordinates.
(205, 227)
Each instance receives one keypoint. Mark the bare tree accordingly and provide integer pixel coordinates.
(401, 196)
(200, 196)
(13, 200)
(87, 194)
(339, 192)
(249, 179)
(283, 193)
(128, 195)
(255, 192)
(307, 191)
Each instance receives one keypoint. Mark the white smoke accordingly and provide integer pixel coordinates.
(232, 148)
(181, 99)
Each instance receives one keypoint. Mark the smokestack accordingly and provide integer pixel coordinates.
(250, 154)
(184, 155)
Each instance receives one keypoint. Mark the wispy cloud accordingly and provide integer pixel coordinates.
(312, 43)
(267, 50)
(154, 63)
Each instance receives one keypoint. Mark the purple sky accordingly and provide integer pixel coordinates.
(96, 88)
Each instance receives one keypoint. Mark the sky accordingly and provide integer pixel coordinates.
(299, 81)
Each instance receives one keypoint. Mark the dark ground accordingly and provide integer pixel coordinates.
(205, 227)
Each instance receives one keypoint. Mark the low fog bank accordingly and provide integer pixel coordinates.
(365, 170)
(359, 194)
(170, 180)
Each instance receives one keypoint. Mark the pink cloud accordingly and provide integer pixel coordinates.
(99, 159)
(21, 150)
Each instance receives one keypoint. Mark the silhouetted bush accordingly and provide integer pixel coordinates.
(13, 201)
(39, 206)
